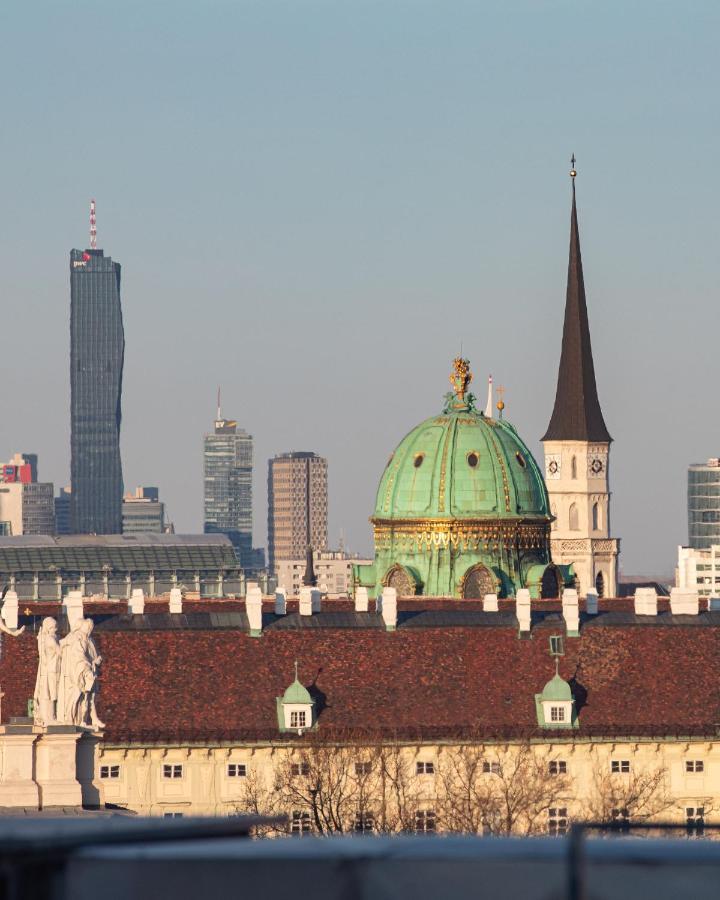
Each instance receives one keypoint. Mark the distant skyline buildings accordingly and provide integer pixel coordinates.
(703, 504)
(297, 506)
(26, 505)
(227, 485)
(97, 347)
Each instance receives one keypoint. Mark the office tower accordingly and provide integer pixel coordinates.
(228, 465)
(62, 512)
(297, 506)
(703, 502)
(97, 346)
(143, 512)
(26, 506)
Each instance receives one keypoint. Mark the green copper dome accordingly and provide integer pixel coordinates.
(556, 689)
(297, 693)
(462, 465)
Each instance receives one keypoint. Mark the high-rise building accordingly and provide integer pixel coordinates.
(26, 506)
(62, 512)
(97, 347)
(228, 467)
(703, 503)
(297, 506)
(577, 447)
(143, 512)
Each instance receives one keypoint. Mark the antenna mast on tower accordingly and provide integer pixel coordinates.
(218, 404)
(93, 229)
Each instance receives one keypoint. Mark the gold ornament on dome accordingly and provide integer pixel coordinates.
(461, 377)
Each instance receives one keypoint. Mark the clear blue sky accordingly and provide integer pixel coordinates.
(315, 202)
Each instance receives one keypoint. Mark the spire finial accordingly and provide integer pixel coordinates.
(296, 671)
(557, 666)
(461, 377)
(501, 401)
(93, 227)
(489, 405)
(573, 170)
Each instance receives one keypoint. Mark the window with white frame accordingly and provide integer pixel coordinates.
(620, 766)
(490, 768)
(364, 822)
(300, 822)
(557, 714)
(557, 820)
(425, 768)
(425, 821)
(298, 718)
(694, 765)
(695, 820)
(109, 771)
(172, 770)
(557, 767)
(236, 770)
(300, 769)
(363, 768)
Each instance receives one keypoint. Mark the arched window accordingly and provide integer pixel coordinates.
(596, 517)
(573, 468)
(574, 519)
(477, 582)
(402, 581)
(600, 585)
(550, 586)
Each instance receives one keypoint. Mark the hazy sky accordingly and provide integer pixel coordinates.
(314, 203)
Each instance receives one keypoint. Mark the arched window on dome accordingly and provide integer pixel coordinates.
(573, 467)
(574, 518)
(477, 582)
(596, 517)
(399, 578)
(600, 584)
(551, 584)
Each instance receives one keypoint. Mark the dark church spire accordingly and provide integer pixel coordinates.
(309, 578)
(577, 415)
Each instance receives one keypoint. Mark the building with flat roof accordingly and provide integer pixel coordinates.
(297, 506)
(703, 503)
(46, 568)
(333, 571)
(97, 348)
(26, 505)
(143, 512)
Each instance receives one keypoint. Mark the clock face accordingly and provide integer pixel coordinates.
(552, 466)
(596, 466)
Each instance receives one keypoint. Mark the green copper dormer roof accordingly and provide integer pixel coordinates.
(556, 689)
(460, 464)
(296, 693)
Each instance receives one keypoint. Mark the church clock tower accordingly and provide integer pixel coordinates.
(577, 446)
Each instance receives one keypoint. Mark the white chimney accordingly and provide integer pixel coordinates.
(361, 599)
(591, 603)
(72, 606)
(645, 602)
(137, 602)
(490, 603)
(522, 609)
(280, 602)
(176, 600)
(684, 603)
(253, 609)
(389, 608)
(305, 601)
(9, 610)
(315, 600)
(571, 612)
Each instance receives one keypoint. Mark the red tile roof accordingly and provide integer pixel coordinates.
(213, 682)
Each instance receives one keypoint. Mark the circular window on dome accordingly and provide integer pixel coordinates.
(521, 459)
(418, 461)
(473, 458)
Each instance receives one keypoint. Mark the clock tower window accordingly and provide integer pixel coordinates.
(574, 519)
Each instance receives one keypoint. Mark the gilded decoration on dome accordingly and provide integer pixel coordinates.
(460, 397)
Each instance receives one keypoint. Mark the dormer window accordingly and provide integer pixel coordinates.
(296, 708)
(558, 714)
(555, 706)
(298, 718)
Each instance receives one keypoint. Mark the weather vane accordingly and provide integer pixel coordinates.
(573, 171)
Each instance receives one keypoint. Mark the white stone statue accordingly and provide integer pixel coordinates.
(79, 666)
(48, 674)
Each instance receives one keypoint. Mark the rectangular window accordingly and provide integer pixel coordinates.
(694, 765)
(300, 769)
(556, 645)
(172, 815)
(557, 767)
(364, 823)
(300, 822)
(695, 820)
(236, 770)
(425, 822)
(172, 771)
(491, 768)
(621, 766)
(297, 719)
(363, 768)
(557, 820)
(425, 768)
(557, 713)
(109, 771)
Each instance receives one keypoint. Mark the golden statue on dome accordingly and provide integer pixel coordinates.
(461, 377)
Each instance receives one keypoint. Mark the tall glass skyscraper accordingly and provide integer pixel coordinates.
(228, 466)
(97, 348)
(704, 504)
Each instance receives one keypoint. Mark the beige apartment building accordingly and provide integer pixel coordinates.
(297, 506)
(333, 571)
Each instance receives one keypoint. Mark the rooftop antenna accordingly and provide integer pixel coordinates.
(93, 228)
(218, 404)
